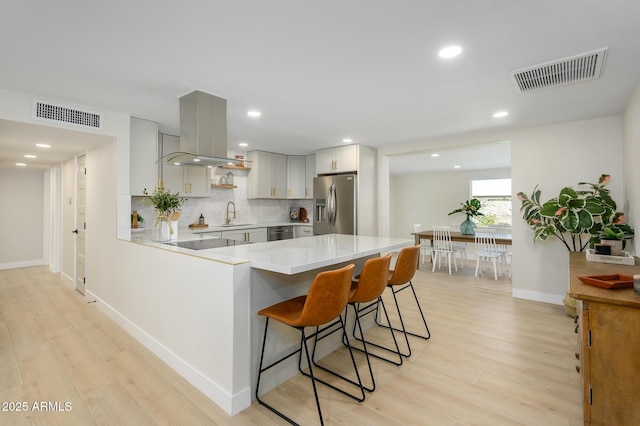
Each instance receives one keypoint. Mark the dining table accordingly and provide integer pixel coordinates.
(501, 239)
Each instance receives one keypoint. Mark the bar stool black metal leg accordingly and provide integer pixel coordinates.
(409, 285)
(316, 335)
(374, 308)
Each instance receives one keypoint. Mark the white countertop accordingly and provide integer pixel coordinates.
(291, 256)
(304, 254)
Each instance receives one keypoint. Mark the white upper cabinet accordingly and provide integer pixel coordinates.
(144, 151)
(337, 160)
(268, 176)
(296, 176)
(310, 173)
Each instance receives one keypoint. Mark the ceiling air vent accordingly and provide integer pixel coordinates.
(587, 66)
(64, 114)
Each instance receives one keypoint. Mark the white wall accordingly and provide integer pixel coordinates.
(68, 220)
(555, 156)
(631, 156)
(552, 156)
(21, 228)
(428, 198)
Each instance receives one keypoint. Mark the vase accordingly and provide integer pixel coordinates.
(616, 246)
(161, 228)
(466, 227)
(173, 233)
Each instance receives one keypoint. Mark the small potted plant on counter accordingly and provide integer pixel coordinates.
(167, 207)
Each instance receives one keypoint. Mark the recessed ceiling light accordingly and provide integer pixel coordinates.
(176, 164)
(435, 155)
(43, 145)
(347, 140)
(500, 114)
(195, 160)
(450, 52)
(254, 113)
(20, 164)
(243, 144)
(456, 167)
(29, 156)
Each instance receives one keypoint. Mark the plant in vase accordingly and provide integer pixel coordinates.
(167, 207)
(470, 208)
(578, 218)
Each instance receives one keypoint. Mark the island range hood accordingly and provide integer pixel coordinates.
(203, 132)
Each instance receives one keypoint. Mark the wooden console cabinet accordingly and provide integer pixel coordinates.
(608, 344)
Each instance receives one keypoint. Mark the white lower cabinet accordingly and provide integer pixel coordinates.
(302, 231)
(253, 235)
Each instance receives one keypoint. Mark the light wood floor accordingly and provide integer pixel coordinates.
(491, 360)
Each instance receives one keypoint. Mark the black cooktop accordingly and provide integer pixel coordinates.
(207, 243)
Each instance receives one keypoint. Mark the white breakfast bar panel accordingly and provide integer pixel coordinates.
(210, 298)
(284, 269)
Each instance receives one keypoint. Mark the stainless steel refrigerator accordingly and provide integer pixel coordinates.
(334, 204)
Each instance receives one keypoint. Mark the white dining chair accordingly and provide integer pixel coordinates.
(486, 251)
(442, 246)
(503, 231)
(459, 246)
(425, 245)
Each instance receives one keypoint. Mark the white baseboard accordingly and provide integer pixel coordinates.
(538, 297)
(232, 404)
(68, 281)
(23, 264)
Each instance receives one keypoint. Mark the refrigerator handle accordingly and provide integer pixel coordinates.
(331, 205)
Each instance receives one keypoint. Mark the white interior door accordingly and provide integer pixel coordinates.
(81, 225)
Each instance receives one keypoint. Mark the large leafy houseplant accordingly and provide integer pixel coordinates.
(578, 218)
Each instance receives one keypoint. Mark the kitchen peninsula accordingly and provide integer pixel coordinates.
(198, 308)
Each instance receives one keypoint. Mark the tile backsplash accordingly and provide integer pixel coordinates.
(214, 207)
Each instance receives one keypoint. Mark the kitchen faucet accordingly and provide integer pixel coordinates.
(228, 220)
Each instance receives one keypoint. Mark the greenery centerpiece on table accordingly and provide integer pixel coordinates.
(167, 207)
(471, 208)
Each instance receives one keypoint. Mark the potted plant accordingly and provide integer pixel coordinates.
(615, 235)
(137, 223)
(577, 218)
(167, 204)
(470, 208)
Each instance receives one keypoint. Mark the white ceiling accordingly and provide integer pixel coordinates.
(319, 71)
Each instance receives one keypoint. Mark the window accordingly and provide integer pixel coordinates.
(495, 196)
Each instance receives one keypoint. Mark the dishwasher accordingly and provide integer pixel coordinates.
(275, 233)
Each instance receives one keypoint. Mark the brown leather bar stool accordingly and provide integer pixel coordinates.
(366, 289)
(327, 298)
(400, 279)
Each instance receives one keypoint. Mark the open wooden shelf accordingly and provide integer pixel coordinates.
(214, 185)
(235, 167)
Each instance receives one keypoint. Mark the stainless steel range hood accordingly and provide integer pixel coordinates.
(203, 131)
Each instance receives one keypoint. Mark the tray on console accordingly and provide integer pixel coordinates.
(611, 281)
